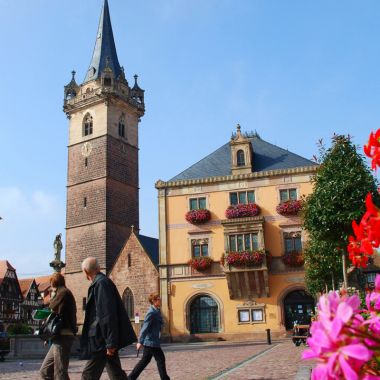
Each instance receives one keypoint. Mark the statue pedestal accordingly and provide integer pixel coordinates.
(57, 265)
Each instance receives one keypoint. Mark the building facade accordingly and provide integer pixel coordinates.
(102, 183)
(32, 300)
(231, 242)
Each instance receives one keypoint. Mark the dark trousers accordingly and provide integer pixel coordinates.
(56, 363)
(94, 367)
(149, 352)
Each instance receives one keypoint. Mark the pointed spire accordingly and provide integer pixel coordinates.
(104, 54)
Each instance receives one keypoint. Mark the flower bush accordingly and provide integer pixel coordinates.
(242, 210)
(245, 258)
(345, 340)
(200, 263)
(291, 207)
(198, 216)
(293, 259)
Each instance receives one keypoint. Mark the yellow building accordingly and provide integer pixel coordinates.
(251, 233)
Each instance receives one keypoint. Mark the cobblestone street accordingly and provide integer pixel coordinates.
(243, 361)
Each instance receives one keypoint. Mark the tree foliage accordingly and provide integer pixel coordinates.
(340, 186)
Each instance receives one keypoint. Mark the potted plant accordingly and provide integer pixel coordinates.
(242, 210)
(291, 207)
(293, 259)
(198, 216)
(244, 258)
(200, 263)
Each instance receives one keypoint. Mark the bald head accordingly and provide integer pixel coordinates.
(91, 266)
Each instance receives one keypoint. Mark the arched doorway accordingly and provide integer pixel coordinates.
(204, 315)
(129, 303)
(298, 307)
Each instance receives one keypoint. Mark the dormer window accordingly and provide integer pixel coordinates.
(121, 127)
(87, 125)
(240, 159)
(107, 82)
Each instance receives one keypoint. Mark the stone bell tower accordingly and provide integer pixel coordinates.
(102, 181)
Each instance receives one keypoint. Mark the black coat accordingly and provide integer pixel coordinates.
(106, 323)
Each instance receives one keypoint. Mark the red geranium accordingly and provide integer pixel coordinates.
(198, 216)
(290, 207)
(372, 149)
(200, 263)
(293, 259)
(245, 258)
(242, 210)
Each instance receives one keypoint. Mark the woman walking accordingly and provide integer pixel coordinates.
(150, 340)
(56, 363)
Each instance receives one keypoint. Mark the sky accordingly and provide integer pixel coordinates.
(294, 71)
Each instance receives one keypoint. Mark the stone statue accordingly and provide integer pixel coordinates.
(57, 248)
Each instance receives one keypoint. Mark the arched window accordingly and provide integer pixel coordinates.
(121, 127)
(240, 158)
(129, 302)
(204, 315)
(87, 125)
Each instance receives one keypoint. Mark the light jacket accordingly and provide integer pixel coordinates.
(150, 331)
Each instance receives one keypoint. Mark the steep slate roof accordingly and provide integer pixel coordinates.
(266, 156)
(104, 48)
(150, 246)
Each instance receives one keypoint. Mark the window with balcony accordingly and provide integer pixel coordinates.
(288, 195)
(242, 197)
(197, 203)
(243, 242)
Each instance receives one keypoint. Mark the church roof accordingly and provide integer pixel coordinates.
(266, 156)
(150, 246)
(104, 54)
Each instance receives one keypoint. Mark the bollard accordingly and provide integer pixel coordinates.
(269, 340)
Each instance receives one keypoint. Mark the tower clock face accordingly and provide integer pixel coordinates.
(86, 149)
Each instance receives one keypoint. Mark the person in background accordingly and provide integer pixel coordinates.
(106, 327)
(56, 363)
(150, 340)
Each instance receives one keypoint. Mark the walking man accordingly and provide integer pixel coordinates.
(150, 340)
(106, 327)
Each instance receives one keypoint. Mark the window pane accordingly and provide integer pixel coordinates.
(243, 315)
(240, 245)
(193, 204)
(288, 245)
(202, 202)
(251, 196)
(257, 315)
(297, 244)
(243, 197)
(293, 194)
(232, 243)
(284, 195)
(255, 241)
(247, 240)
(204, 250)
(233, 199)
(196, 250)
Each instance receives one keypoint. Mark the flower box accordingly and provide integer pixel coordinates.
(291, 207)
(293, 259)
(245, 258)
(242, 210)
(200, 263)
(198, 216)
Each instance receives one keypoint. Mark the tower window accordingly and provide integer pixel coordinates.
(84, 302)
(240, 158)
(87, 125)
(86, 161)
(107, 81)
(85, 202)
(121, 128)
(129, 260)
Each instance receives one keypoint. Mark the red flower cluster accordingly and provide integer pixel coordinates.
(242, 210)
(198, 216)
(367, 235)
(293, 259)
(200, 263)
(372, 149)
(245, 258)
(290, 207)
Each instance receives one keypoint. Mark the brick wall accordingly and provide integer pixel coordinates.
(141, 277)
